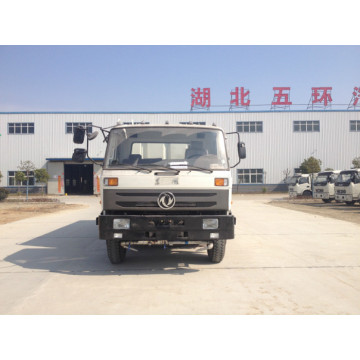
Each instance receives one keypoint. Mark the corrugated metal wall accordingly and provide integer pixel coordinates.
(276, 149)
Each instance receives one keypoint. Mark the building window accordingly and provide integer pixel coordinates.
(249, 126)
(21, 128)
(354, 125)
(306, 126)
(193, 122)
(69, 127)
(13, 182)
(250, 176)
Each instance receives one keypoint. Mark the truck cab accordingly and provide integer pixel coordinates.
(300, 185)
(165, 185)
(347, 186)
(324, 185)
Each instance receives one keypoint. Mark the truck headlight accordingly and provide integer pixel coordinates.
(210, 224)
(123, 224)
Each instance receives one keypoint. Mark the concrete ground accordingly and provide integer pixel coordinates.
(281, 262)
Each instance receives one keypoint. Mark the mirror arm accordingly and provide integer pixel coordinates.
(103, 131)
(87, 153)
(238, 136)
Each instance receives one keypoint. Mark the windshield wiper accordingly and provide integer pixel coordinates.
(165, 168)
(181, 167)
(133, 167)
(197, 168)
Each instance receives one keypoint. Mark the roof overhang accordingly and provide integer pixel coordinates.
(70, 159)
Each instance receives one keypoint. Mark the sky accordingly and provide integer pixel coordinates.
(141, 78)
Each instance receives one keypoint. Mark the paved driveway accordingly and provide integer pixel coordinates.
(281, 262)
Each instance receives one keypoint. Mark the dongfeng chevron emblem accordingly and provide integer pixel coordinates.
(166, 200)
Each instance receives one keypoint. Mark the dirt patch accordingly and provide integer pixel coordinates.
(333, 210)
(12, 211)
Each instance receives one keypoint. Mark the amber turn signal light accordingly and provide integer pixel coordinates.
(221, 182)
(111, 181)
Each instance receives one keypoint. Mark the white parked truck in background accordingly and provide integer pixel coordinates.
(300, 185)
(165, 185)
(324, 185)
(347, 186)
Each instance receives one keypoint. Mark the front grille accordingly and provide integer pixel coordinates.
(341, 192)
(319, 190)
(147, 200)
(154, 204)
(176, 194)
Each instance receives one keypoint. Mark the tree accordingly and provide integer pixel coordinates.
(27, 167)
(41, 176)
(356, 162)
(286, 174)
(310, 166)
(3, 194)
(0, 176)
(20, 177)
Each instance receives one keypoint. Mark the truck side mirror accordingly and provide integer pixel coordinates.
(241, 150)
(79, 135)
(79, 155)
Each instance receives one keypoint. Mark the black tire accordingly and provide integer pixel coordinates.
(349, 203)
(216, 254)
(326, 201)
(115, 251)
(307, 193)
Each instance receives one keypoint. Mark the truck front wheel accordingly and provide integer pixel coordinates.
(216, 254)
(116, 252)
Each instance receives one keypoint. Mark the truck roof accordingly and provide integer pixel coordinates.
(212, 127)
(357, 170)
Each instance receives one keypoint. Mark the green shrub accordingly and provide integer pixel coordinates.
(310, 166)
(3, 194)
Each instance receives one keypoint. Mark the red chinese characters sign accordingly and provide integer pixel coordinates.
(356, 96)
(321, 95)
(281, 96)
(200, 98)
(240, 97)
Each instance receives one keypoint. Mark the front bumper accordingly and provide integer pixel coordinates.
(321, 195)
(170, 227)
(344, 197)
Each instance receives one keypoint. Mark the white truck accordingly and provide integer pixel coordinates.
(324, 185)
(300, 185)
(347, 186)
(167, 185)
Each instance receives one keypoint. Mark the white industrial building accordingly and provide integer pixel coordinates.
(277, 142)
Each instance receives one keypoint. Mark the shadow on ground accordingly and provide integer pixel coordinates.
(76, 249)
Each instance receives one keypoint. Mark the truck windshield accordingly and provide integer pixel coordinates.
(346, 177)
(294, 180)
(322, 178)
(177, 148)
